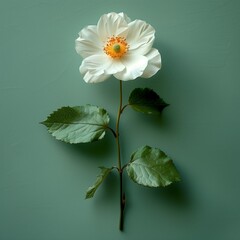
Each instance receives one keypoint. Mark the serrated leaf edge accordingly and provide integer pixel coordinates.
(71, 142)
(178, 179)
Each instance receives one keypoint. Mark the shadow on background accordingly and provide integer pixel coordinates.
(177, 196)
(99, 150)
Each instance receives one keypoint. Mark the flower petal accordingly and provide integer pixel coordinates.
(93, 68)
(134, 67)
(115, 66)
(112, 24)
(90, 78)
(140, 37)
(88, 42)
(154, 63)
(126, 18)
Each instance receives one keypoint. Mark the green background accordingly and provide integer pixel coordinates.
(43, 181)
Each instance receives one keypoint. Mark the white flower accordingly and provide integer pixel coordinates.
(117, 46)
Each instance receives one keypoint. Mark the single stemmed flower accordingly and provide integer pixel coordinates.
(123, 48)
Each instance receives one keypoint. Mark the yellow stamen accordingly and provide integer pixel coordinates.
(116, 47)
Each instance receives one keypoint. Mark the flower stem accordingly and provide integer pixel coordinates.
(120, 170)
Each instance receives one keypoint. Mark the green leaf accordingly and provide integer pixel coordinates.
(152, 167)
(100, 178)
(147, 101)
(80, 124)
